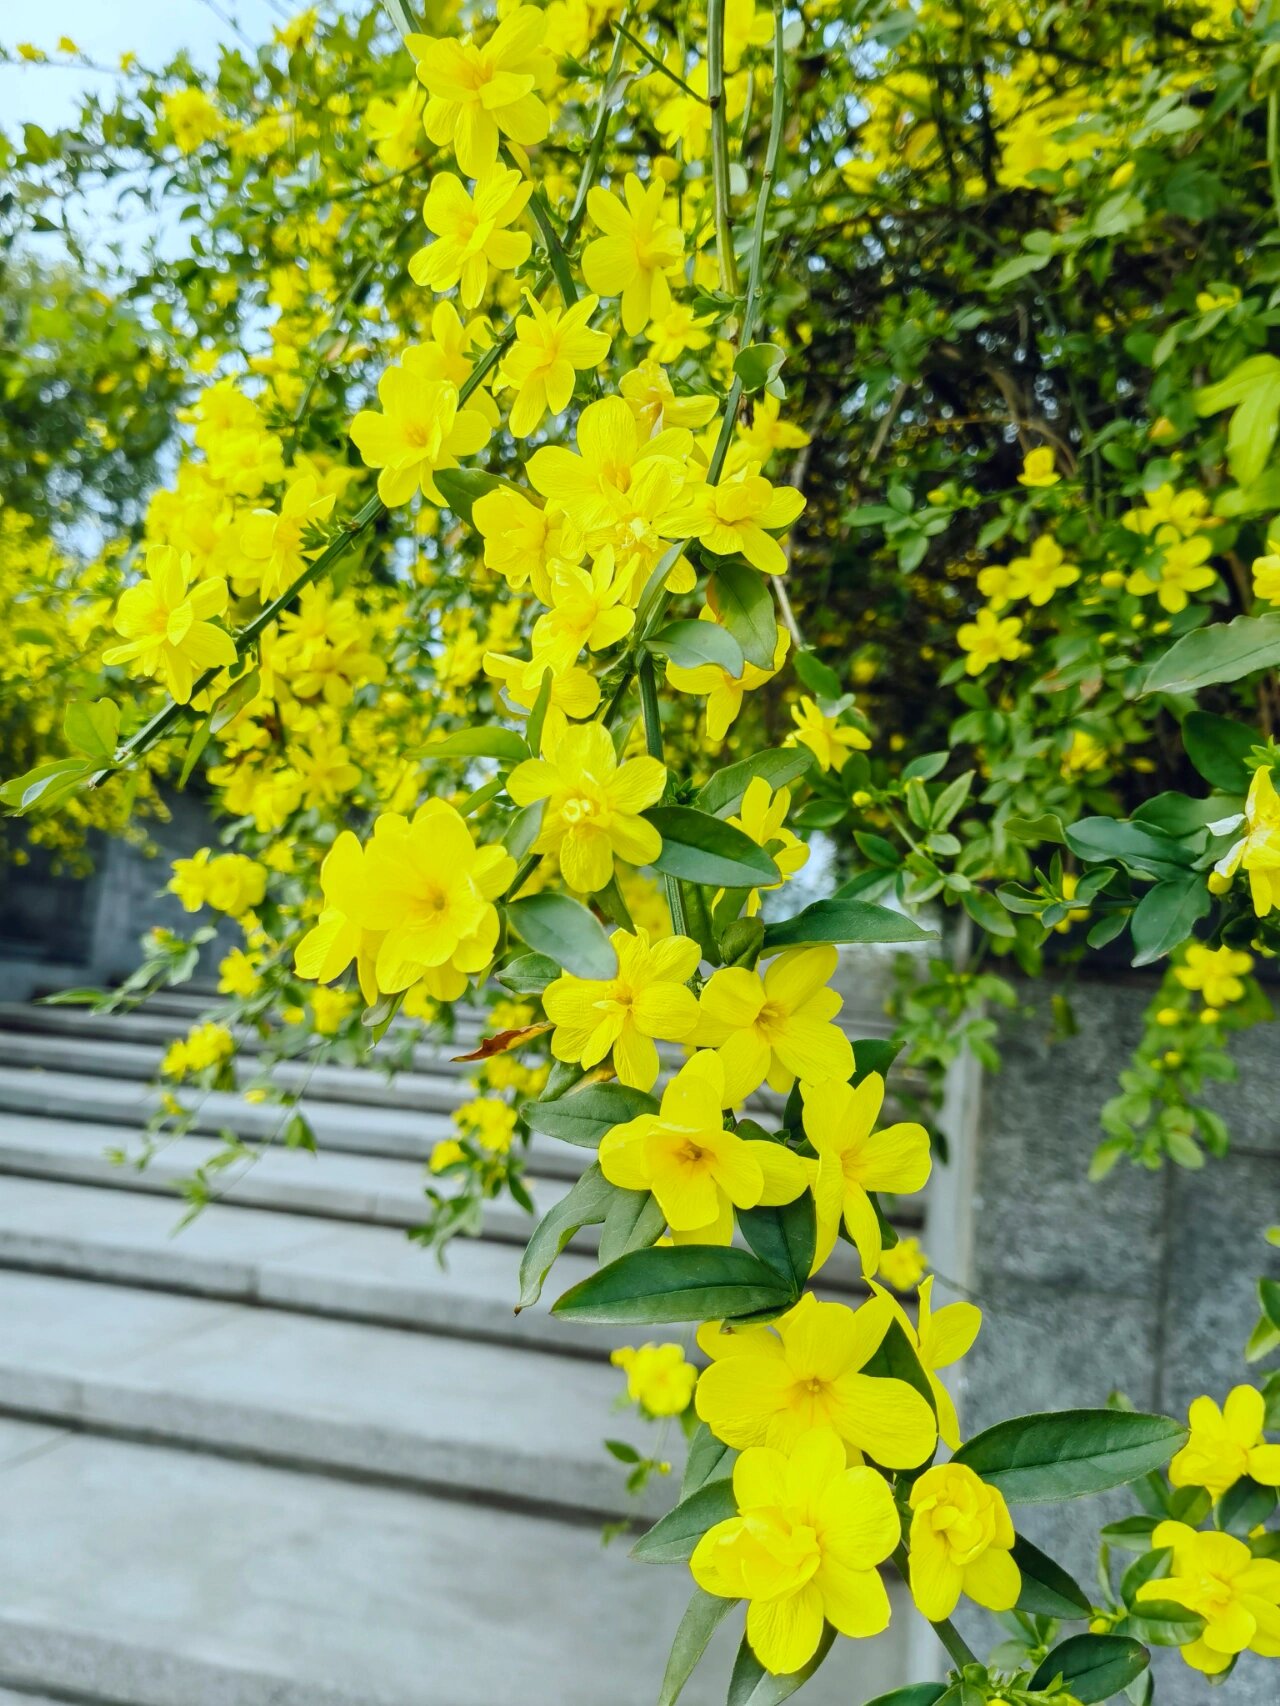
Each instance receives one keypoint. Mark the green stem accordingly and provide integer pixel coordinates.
(720, 147)
(595, 151)
(556, 256)
(658, 64)
(1273, 147)
(958, 1649)
(653, 743)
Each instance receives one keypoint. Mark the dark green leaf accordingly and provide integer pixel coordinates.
(460, 487)
(708, 1460)
(703, 1616)
(873, 1054)
(816, 676)
(1218, 747)
(673, 1537)
(1167, 914)
(1047, 1589)
(634, 1222)
(914, 1694)
(785, 1237)
(685, 1282)
(1093, 1667)
(700, 848)
(1245, 1506)
(566, 932)
(1224, 651)
(1131, 844)
(689, 645)
(779, 766)
(583, 1116)
(741, 599)
(895, 1359)
(1065, 1454)
(585, 1205)
(843, 921)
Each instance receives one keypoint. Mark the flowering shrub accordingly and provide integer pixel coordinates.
(856, 420)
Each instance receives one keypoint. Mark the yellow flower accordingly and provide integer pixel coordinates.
(642, 248)
(329, 1009)
(698, 1171)
(1182, 571)
(395, 127)
(1266, 576)
(676, 332)
(764, 433)
(542, 365)
(1217, 1577)
(1163, 509)
(165, 623)
(276, 540)
(574, 692)
(730, 519)
(780, 1026)
(989, 639)
(803, 1549)
(658, 1377)
(421, 429)
(589, 607)
(854, 1158)
(772, 1385)
(655, 404)
(193, 118)
(763, 816)
(523, 542)
(594, 487)
(1041, 573)
(470, 232)
(237, 975)
(829, 741)
(228, 882)
(903, 1266)
(446, 1153)
(480, 93)
(1258, 849)
(1225, 1444)
(1215, 972)
(648, 999)
(593, 803)
(939, 1337)
(489, 1122)
(961, 1542)
(1038, 469)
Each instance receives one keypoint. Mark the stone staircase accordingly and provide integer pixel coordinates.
(283, 1457)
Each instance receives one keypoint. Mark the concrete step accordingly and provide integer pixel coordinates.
(340, 1128)
(241, 1255)
(440, 1414)
(157, 1576)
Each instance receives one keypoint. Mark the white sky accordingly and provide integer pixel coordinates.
(47, 95)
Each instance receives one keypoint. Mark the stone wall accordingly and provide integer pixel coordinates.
(1144, 1283)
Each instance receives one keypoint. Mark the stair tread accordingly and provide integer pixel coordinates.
(140, 1578)
(516, 1424)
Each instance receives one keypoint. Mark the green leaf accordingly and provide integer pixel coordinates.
(1018, 267)
(93, 728)
(703, 1616)
(45, 785)
(528, 974)
(583, 1116)
(585, 1205)
(816, 675)
(1252, 389)
(566, 932)
(741, 599)
(1047, 1590)
(709, 1459)
(1131, 1533)
(479, 743)
(752, 1685)
(700, 848)
(1066, 1454)
(873, 1054)
(689, 645)
(1046, 827)
(895, 1358)
(1245, 1506)
(634, 1222)
(1093, 1667)
(684, 1282)
(785, 1237)
(779, 766)
(914, 1694)
(1167, 914)
(1218, 747)
(673, 1537)
(843, 921)
(460, 487)
(1223, 651)
(758, 366)
(1140, 849)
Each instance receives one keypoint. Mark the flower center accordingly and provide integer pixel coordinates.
(578, 809)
